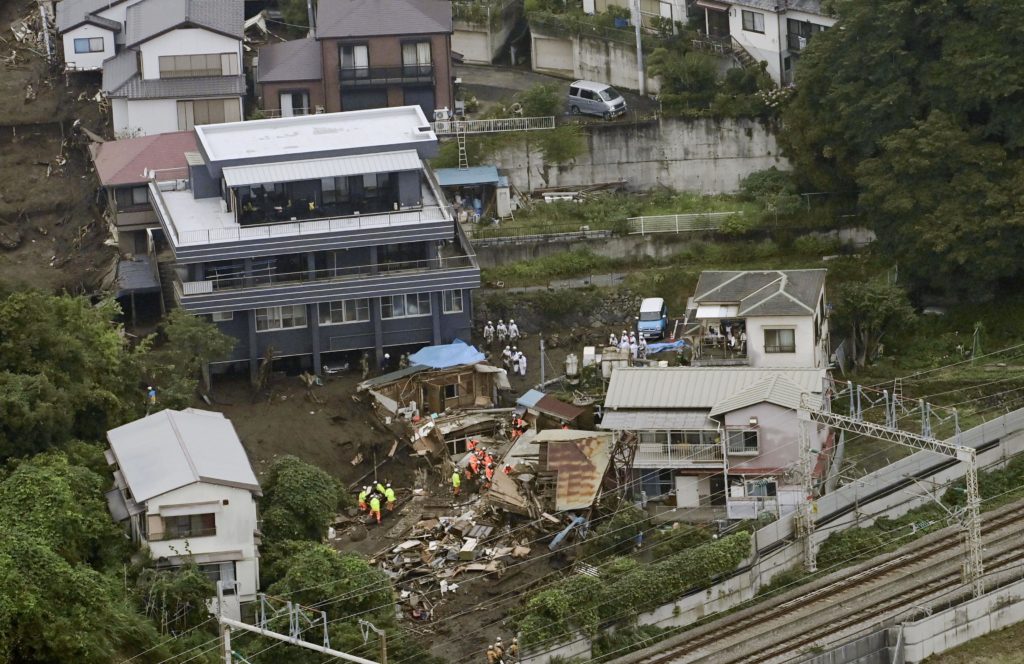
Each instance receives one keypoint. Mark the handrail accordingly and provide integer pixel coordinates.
(314, 226)
(491, 125)
(263, 278)
(395, 72)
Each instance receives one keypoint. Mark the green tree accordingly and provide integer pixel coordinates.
(865, 311)
(81, 362)
(301, 499)
(177, 596)
(915, 105)
(689, 79)
(543, 100)
(176, 366)
(294, 12)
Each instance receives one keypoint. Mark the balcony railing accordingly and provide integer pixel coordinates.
(314, 226)
(780, 349)
(667, 456)
(797, 42)
(168, 535)
(386, 75)
(258, 279)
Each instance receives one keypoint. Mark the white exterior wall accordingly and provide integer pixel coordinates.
(143, 117)
(777, 440)
(806, 354)
(87, 60)
(767, 47)
(236, 525)
(186, 41)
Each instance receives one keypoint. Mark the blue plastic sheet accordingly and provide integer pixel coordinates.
(447, 355)
(668, 345)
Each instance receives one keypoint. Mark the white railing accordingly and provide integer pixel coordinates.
(750, 507)
(314, 226)
(678, 223)
(676, 456)
(491, 125)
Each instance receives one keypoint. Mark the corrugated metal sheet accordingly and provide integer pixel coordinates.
(172, 449)
(778, 390)
(660, 420)
(452, 177)
(694, 387)
(549, 405)
(314, 169)
(530, 398)
(580, 459)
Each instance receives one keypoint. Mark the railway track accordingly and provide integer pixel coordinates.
(751, 638)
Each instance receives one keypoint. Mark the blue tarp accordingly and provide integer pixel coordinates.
(453, 177)
(447, 355)
(668, 345)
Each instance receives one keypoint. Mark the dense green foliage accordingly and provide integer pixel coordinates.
(617, 535)
(625, 589)
(299, 500)
(190, 343)
(916, 106)
(865, 311)
(691, 85)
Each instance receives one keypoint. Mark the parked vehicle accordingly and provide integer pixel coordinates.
(652, 323)
(595, 99)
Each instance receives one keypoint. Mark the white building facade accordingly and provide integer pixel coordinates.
(186, 491)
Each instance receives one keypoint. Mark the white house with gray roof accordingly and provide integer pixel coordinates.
(177, 64)
(185, 487)
(759, 318)
(774, 32)
(722, 436)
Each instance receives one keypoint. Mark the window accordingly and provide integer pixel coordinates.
(452, 301)
(209, 64)
(657, 482)
(610, 94)
(753, 21)
(281, 318)
(742, 441)
(344, 311)
(416, 58)
(780, 341)
(220, 572)
(129, 197)
(451, 391)
(294, 102)
(222, 316)
(207, 111)
(355, 60)
(574, 91)
(334, 190)
(190, 525)
(89, 45)
(405, 306)
(762, 488)
(587, 94)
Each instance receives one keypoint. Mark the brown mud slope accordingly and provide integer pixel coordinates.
(51, 235)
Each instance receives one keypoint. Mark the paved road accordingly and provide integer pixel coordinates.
(492, 85)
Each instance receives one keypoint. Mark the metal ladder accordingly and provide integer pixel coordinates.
(460, 135)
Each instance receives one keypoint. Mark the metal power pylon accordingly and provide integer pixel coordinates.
(895, 408)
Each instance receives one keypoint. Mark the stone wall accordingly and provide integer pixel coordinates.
(707, 156)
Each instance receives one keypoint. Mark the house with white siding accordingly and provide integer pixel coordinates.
(179, 66)
(185, 489)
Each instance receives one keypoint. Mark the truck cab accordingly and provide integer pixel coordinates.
(652, 322)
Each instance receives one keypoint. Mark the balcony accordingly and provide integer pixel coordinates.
(377, 76)
(184, 535)
(659, 455)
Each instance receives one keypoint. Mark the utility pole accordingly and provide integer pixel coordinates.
(366, 626)
(225, 630)
(807, 458)
(641, 77)
(542, 360)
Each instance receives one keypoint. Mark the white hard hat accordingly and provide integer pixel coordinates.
(490, 322)
(508, 347)
(511, 320)
(387, 356)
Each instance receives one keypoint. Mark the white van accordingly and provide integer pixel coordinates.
(595, 99)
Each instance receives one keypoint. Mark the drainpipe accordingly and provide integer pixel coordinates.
(310, 17)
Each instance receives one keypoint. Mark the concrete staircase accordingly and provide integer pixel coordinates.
(742, 55)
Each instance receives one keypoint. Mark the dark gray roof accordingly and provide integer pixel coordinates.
(136, 276)
(119, 69)
(365, 18)
(73, 13)
(763, 293)
(808, 6)
(151, 18)
(296, 60)
(180, 88)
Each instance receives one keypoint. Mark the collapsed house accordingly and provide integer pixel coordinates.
(553, 471)
(439, 379)
(543, 411)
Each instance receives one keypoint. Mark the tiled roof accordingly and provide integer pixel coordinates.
(762, 292)
(366, 18)
(296, 60)
(72, 13)
(180, 88)
(150, 18)
(118, 70)
(125, 161)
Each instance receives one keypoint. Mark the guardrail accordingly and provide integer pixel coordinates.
(678, 223)
(313, 226)
(491, 125)
(239, 281)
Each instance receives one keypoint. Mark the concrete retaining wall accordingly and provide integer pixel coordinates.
(588, 58)
(875, 648)
(958, 625)
(707, 156)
